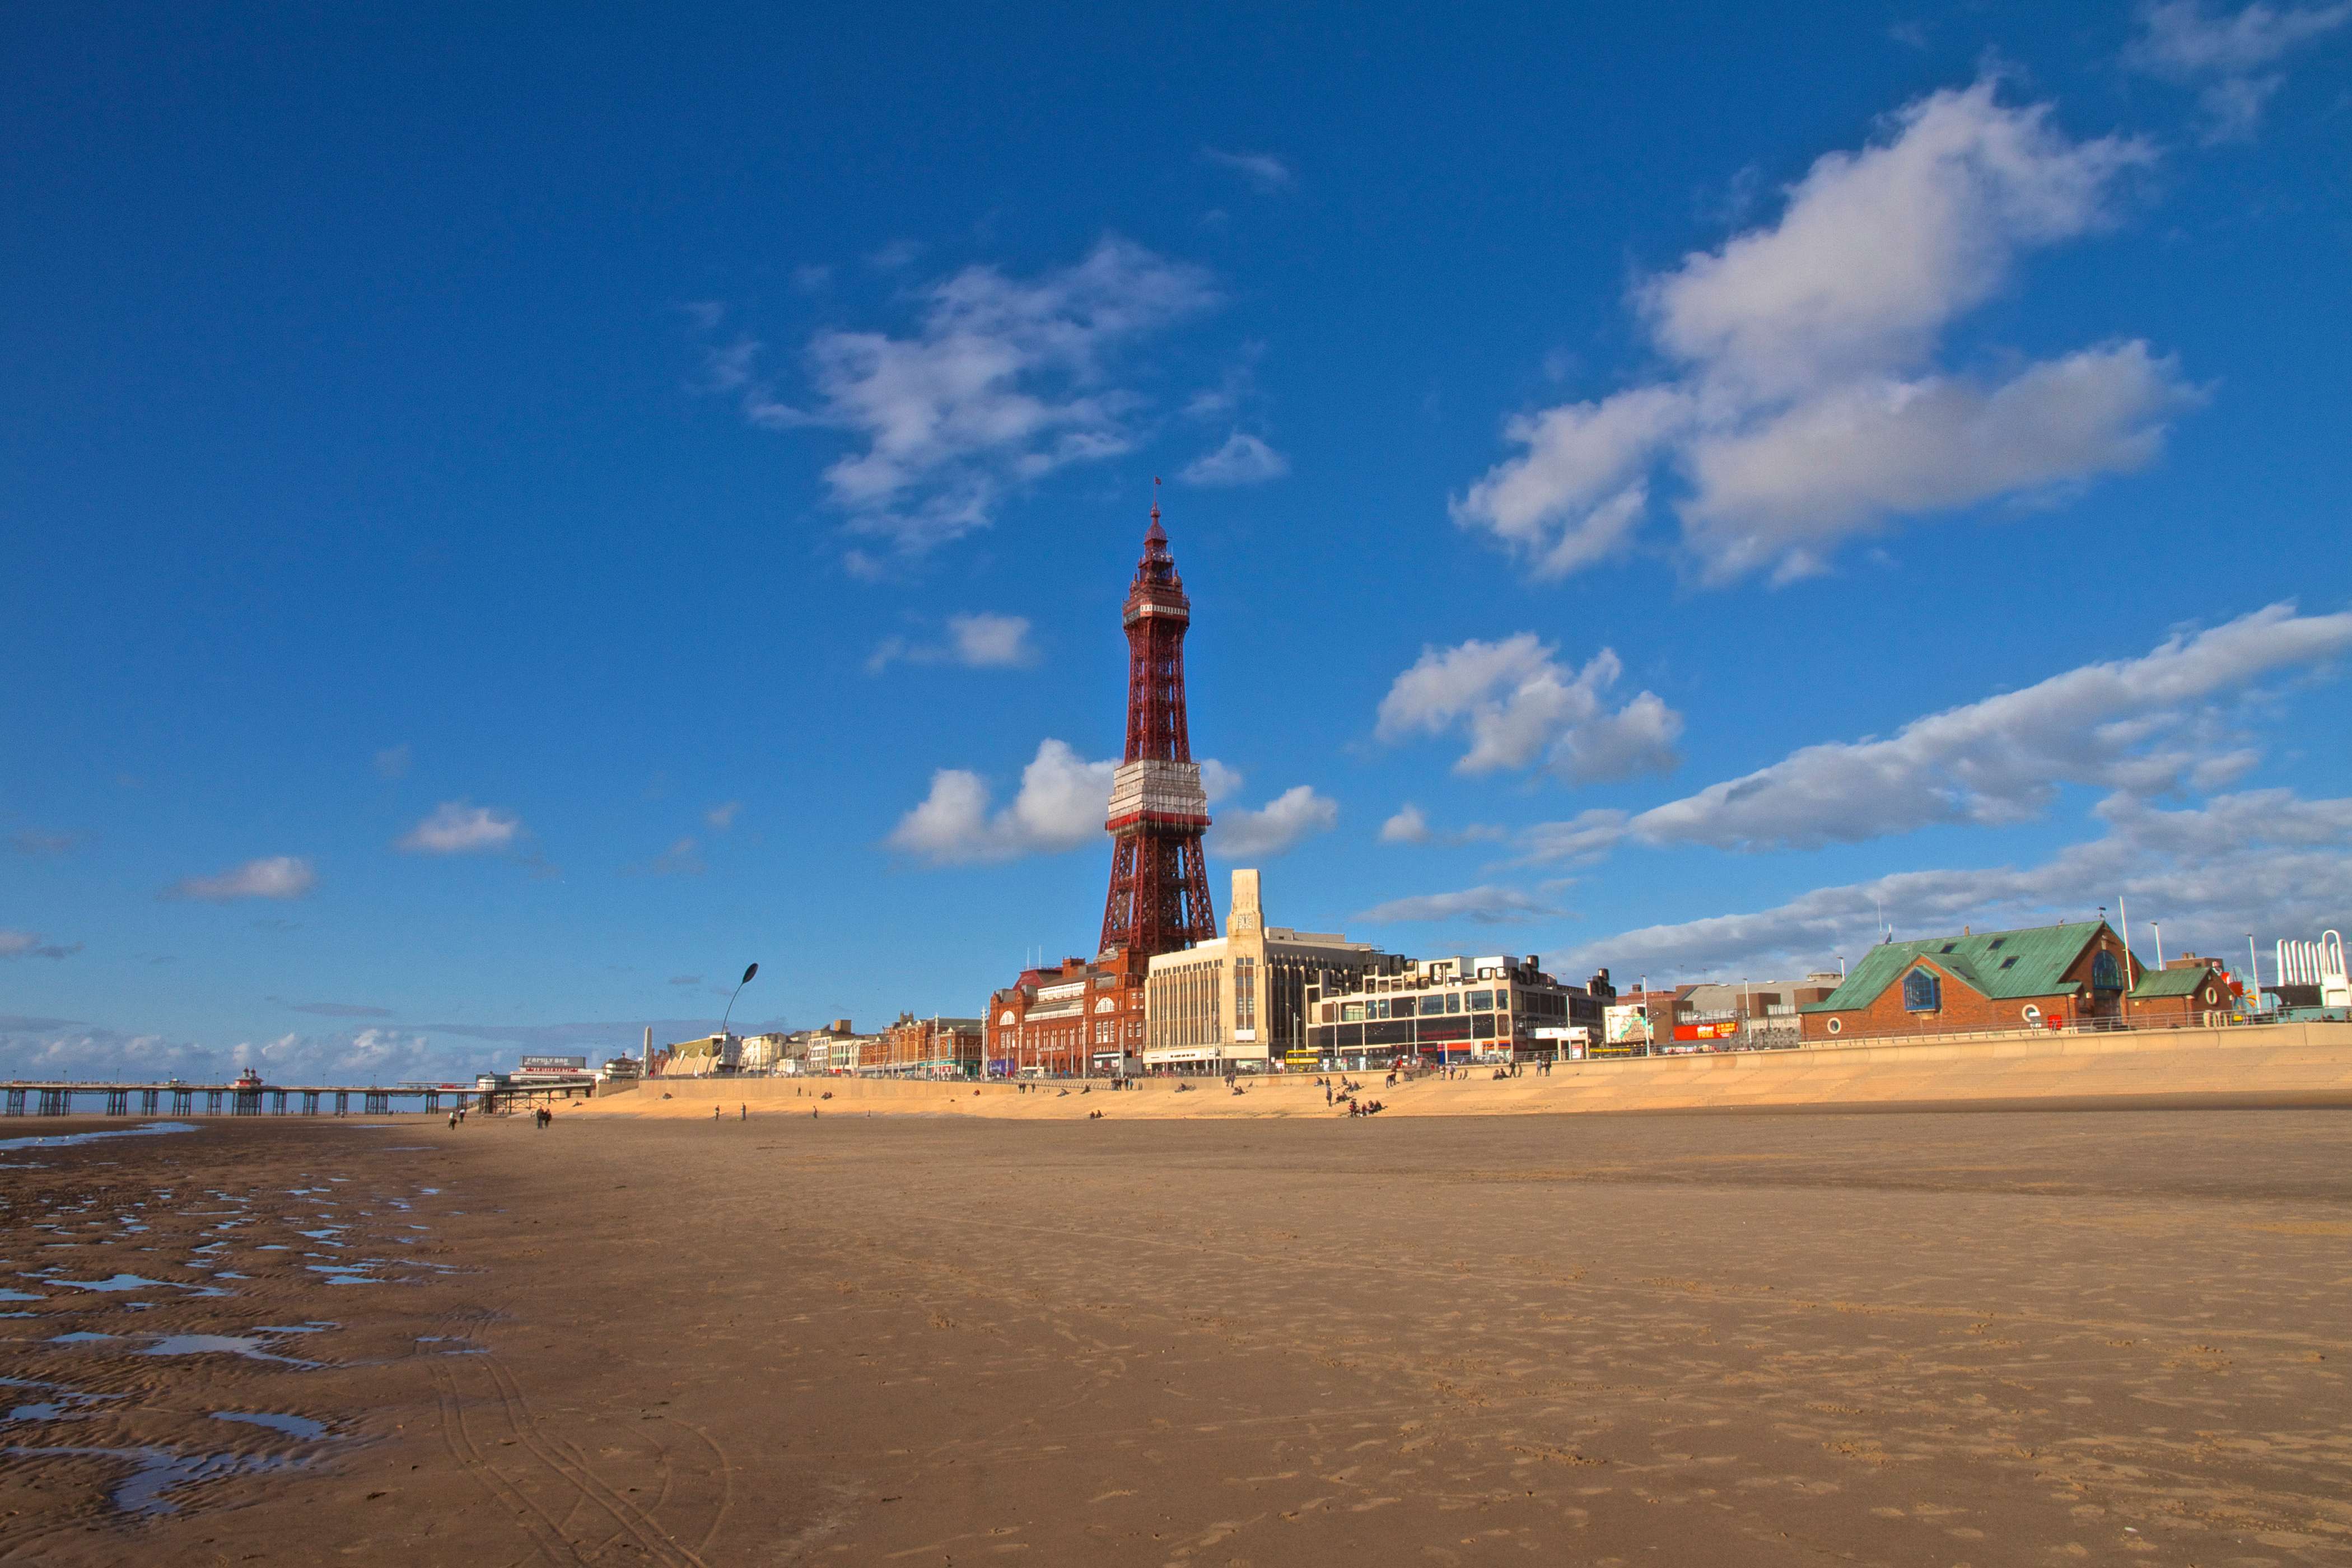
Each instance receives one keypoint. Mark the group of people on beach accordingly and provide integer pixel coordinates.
(1346, 1089)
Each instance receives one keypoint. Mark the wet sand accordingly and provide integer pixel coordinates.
(2012, 1337)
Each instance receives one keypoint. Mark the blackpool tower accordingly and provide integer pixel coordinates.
(1158, 883)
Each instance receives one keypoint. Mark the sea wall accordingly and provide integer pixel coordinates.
(2304, 1063)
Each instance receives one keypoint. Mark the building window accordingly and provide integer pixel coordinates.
(1837, 1025)
(1921, 992)
(2107, 974)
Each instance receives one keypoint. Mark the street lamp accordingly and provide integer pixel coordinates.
(731, 1004)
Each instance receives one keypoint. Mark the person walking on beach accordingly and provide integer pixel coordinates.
(746, 1115)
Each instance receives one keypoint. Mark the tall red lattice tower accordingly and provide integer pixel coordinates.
(1158, 883)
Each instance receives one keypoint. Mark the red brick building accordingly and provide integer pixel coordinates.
(1079, 1016)
(2045, 976)
(928, 1047)
(2188, 991)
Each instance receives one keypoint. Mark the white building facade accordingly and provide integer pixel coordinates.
(1237, 1004)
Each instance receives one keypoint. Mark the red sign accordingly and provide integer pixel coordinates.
(1722, 1031)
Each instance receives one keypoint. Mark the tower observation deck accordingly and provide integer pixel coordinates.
(1158, 899)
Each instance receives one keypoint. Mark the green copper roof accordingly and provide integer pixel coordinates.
(2000, 963)
(2183, 982)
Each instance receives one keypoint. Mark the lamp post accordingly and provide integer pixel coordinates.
(731, 1014)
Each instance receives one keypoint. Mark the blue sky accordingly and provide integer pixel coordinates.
(514, 515)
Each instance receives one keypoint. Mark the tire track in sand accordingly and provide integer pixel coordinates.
(656, 1544)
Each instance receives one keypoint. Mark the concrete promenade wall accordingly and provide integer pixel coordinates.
(2304, 1063)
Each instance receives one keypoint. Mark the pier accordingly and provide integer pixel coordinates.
(239, 1098)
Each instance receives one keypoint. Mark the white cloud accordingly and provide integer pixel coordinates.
(1588, 835)
(1243, 459)
(45, 1048)
(1876, 252)
(1240, 833)
(1782, 492)
(2229, 57)
(721, 817)
(31, 944)
(1061, 805)
(1479, 906)
(979, 641)
(274, 877)
(457, 828)
(2264, 861)
(1268, 172)
(1579, 492)
(1409, 825)
(1217, 780)
(986, 641)
(1522, 708)
(2143, 726)
(1807, 409)
(1001, 382)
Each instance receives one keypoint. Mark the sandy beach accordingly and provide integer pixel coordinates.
(2015, 1337)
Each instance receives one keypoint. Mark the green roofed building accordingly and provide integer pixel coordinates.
(2041, 977)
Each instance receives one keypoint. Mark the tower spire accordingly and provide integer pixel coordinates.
(1159, 897)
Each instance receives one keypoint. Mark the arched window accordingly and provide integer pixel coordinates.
(1922, 993)
(2107, 974)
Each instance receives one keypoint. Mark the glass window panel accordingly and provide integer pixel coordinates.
(1921, 994)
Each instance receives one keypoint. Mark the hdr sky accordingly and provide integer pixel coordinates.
(511, 515)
